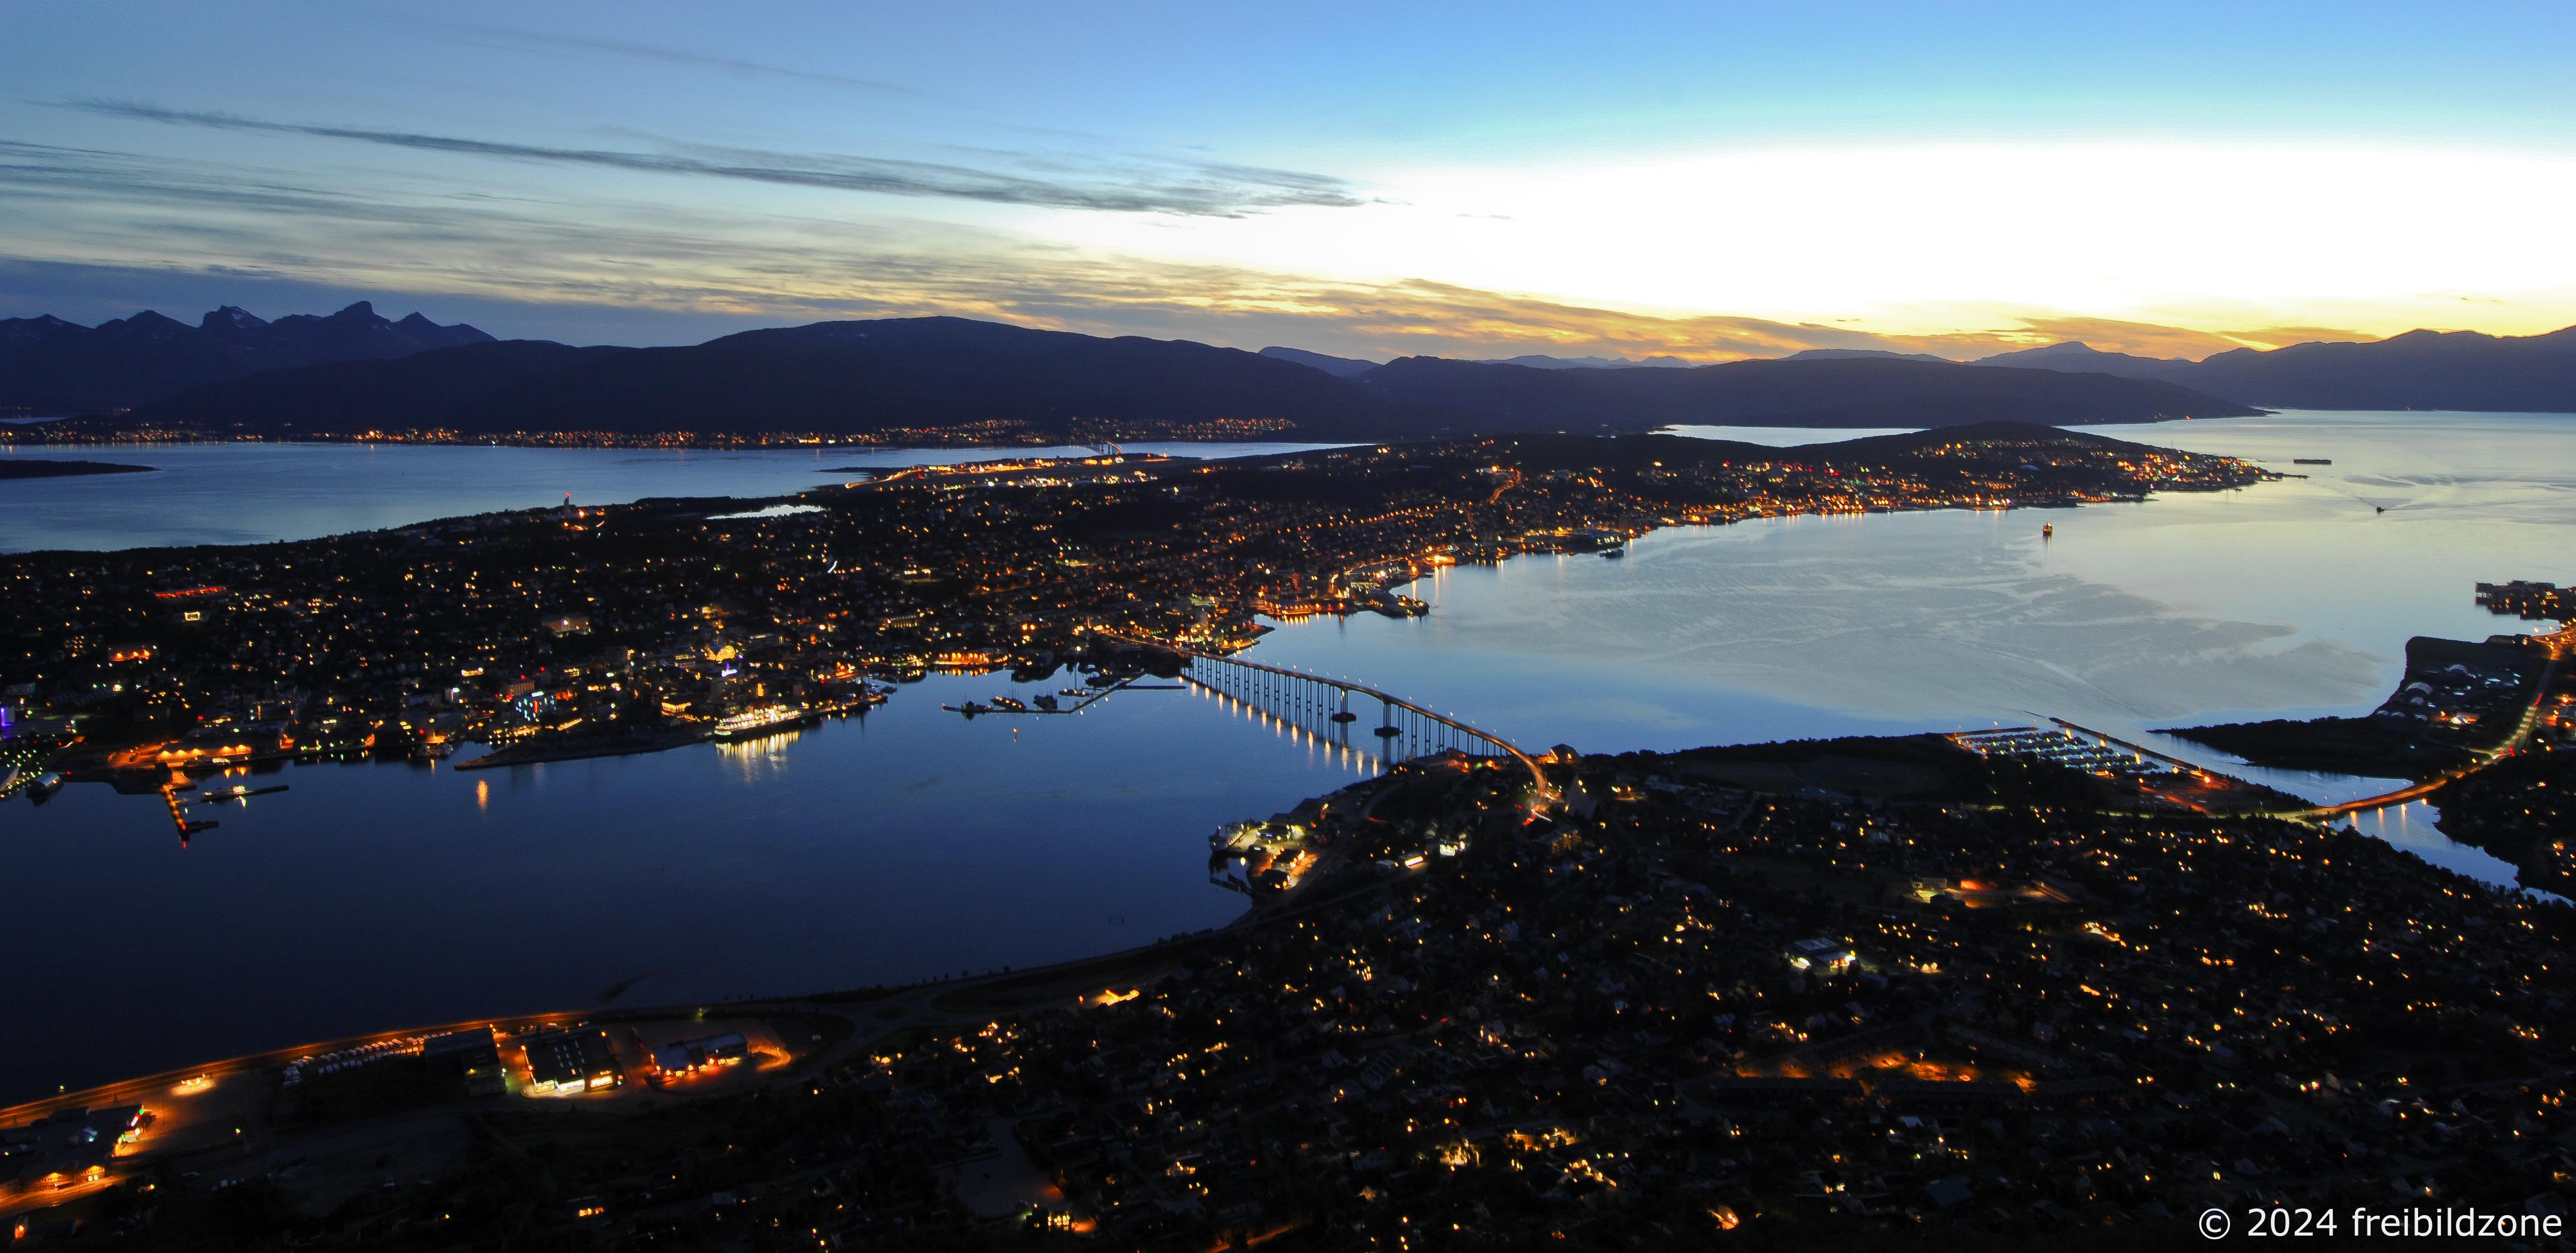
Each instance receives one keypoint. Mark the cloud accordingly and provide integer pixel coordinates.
(1187, 188)
(595, 269)
(499, 36)
(2278, 336)
(2144, 339)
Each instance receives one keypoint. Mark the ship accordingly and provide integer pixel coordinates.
(761, 721)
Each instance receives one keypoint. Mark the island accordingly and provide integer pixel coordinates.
(2001, 983)
(582, 631)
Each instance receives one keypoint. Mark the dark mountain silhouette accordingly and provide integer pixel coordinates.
(53, 366)
(839, 377)
(1846, 354)
(1338, 367)
(857, 377)
(440, 389)
(1858, 391)
(2416, 370)
(1538, 361)
(2078, 358)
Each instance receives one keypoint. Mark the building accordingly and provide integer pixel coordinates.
(686, 1057)
(69, 1146)
(471, 1056)
(579, 1060)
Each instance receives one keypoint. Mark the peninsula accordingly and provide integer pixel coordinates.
(55, 468)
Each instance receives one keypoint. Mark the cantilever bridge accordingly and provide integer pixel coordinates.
(1315, 701)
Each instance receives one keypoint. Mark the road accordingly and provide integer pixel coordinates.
(2559, 643)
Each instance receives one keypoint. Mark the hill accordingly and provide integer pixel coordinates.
(2416, 370)
(852, 378)
(53, 366)
(1829, 392)
(1338, 367)
(2076, 358)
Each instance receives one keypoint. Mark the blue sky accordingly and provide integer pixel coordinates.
(1711, 180)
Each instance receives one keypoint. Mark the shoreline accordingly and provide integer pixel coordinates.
(55, 468)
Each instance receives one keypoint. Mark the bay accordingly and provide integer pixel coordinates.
(914, 843)
(258, 492)
(904, 845)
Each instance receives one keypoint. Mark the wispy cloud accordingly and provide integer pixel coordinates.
(143, 215)
(505, 37)
(1188, 188)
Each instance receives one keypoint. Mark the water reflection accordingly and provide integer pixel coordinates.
(374, 895)
(247, 493)
(2412, 827)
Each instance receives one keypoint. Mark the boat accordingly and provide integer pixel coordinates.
(760, 721)
(1390, 732)
(1046, 702)
(1346, 716)
(2047, 529)
(1614, 553)
(46, 785)
(2311, 461)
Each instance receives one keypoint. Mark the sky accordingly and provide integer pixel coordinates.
(1708, 180)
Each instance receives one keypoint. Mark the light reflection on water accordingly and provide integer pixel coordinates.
(2411, 827)
(916, 842)
(900, 846)
(2290, 599)
(249, 493)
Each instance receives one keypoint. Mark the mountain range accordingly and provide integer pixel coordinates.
(48, 365)
(355, 371)
(2416, 370)
(859, 377)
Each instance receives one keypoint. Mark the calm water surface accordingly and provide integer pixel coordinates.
(915, 843)
(901, 846)
(255, 493)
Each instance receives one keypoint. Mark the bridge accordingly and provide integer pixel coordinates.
(1323, 706)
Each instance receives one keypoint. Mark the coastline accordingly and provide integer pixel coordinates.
(50, 468)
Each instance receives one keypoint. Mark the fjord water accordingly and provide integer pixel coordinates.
(917, 843)
(2291, 598)
(252, 493)
(905, 845)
